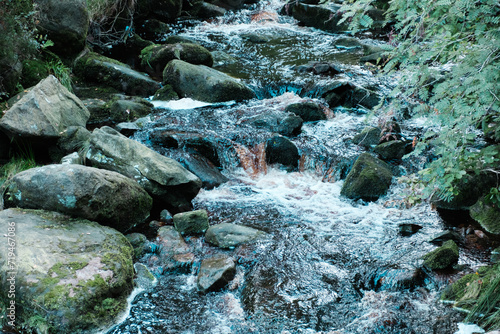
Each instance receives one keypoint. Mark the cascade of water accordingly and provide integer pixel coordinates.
(332, 265)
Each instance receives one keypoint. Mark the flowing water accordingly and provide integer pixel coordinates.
(330, 265)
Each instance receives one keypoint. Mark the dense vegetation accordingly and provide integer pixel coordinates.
(449, 55)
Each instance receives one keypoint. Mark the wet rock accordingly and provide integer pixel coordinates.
(165, 179)
(407, 230)
(229, 4)
(227, 235)
(368, 138)
(397, 278)
(441, 237)
(99, 195)
(348, 95)
(174, 252)
(208, 10)
(139, 243)
(391, 150)
(329, 69)
(127, 128)
(205, 146)
(203, 168)
(442, 257)
(153, 30)
(46, 111)
(191, 222)
(286, 124)
(72, 139)
(162, 10)
(256, 38)
(308, 111)
(154, 58)
(215, 273)
(204, 83)
(368, 179)
(72, 159)
(166, 216)
(99, 69)
(73, 274)
(487, 215)
(144, 279)
(281, 150)
(65, 23)
(166, 93)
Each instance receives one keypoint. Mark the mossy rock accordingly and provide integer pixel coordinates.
(192, 222)
(166, 93)
(391, 150)
(95, 68)
(442, 257)
(73, 275)
(368, 179)
(369, 137)
(34, 70)
(487, 215)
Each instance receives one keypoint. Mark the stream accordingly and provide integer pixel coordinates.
(330, 265)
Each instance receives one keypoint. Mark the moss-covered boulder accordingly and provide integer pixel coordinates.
(45, 112)
(227, 235)
(169, 183)
(166, 93)
(442, 257)
(71, 275)
(154, 58)
(95, 68)
(368, 179)
(191, 222)
(215, 273)
(308, 111)
(95, 194)
(204, 83)
(65, 23)
(487, 215)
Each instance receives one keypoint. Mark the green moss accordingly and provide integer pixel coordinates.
(442, 257)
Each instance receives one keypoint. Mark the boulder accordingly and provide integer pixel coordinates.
(112, 73)
(154, 30)
(203, 168)
(215, 273)
(442, 257)
(46, 111)
(286, 124)
(72, 159)
(99, 195)
(349, 95)
(144, 279)
(227, 235)
(207, 10)
(164, 179)
(487, 215)
(73, 275)
(166, 93)
(139, 243)
(368, 138)
(368, 179)
(281, 150)
(174, 252)
(154, 58)
(191, 222)
(65, 23)
(391, 150)
(129, 110)
(308, 111)
(163, 10)
(204, 83)
(228, 4)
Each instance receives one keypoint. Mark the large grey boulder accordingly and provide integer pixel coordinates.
(204, 83)
(71, 275)
(215, 273)
(154, 58)
(109, 72)
(65, 22)
(368, 179)
(95, 194)
(163, 178)
(46, 111)
(227, 235)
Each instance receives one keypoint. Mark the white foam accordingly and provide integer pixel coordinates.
(182, 104)
(468, 329)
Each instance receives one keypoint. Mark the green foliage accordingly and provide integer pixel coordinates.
(448, 53)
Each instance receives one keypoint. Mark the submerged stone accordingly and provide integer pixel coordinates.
(215, 273)
(227, 235)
